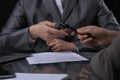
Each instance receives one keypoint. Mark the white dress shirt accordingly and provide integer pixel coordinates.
(60, 7)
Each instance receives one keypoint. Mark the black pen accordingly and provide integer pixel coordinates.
(64, 25)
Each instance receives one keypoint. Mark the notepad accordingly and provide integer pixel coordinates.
(55, 57)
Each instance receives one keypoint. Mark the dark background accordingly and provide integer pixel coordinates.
(114, 5)
(6, 7)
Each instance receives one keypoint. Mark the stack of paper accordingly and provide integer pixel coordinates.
(55, 57)
(30, 76)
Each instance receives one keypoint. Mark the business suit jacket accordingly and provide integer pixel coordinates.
(77, 13)
(106, 63)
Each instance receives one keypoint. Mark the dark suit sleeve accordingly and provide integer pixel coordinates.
(14, 35)
(106, 63)
(105, 17)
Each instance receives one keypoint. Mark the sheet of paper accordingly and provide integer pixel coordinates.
(30, 76)
(55, 57)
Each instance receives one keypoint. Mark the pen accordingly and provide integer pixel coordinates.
(64, 25)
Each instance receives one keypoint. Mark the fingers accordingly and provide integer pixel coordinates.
(87, 41)
(84, 30)
(73, 34)
(85, 38)
(51, 44)
(57, 32)
(54, 47)
(82, 37)
(48, 23)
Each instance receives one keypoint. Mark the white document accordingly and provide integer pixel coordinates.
(30, 76)
(55, 57)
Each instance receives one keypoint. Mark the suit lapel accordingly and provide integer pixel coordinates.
(52, 8)
(69, 5)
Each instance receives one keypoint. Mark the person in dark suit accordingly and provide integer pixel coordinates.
(105, 65)
(32, 25)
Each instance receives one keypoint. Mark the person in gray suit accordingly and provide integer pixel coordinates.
(105, 65)
(32, 24)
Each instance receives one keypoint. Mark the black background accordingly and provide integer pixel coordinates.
(6, 7)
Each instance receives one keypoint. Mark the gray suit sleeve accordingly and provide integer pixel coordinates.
(14, 35)
(105, 17)
(106, 63)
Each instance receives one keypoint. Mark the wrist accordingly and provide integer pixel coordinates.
(73, 47)
(32, 32)
(111, 35)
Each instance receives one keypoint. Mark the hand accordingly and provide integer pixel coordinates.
(56, 34)
(46, 31)
(40, 30)
(61, 45)
(101, 36)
